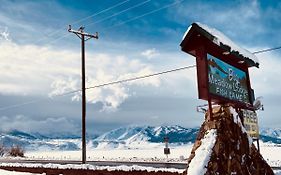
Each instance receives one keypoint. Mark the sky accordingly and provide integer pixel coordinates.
(39, 59)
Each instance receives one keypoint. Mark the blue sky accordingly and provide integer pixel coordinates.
(39, 58)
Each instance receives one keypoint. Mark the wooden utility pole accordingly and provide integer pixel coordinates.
(81, 34)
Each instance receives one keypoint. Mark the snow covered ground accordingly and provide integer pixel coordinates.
(144, 152)
(178, 154)
(4, 172)
(270, 152)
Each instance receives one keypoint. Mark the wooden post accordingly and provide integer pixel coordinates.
(81, 34)
(210, 108)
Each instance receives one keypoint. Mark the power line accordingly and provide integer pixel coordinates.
(122, 81)
(267, 50)
(103, 19)
(102, 85)
(128, 80)
(145, 14)
(118, 13)
(127, 21)
(105, 10)
(141, 77)
(19, 105)
(85, 18)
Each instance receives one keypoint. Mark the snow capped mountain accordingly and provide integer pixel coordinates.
(36, 141)
(142, 136)
(270, 135)
(176, 134)
(131, 137)
(271, 132)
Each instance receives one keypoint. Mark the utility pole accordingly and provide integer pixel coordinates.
(82, 35)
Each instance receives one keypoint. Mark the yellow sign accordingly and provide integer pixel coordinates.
(251, 123)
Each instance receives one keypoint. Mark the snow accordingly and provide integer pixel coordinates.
(92, 167)
(157, 131)
(237, 120)
(271, 132)
(142, 151)
(221, 38)
(203, 153)
(4, 172)
(146, 154)
(270, 152)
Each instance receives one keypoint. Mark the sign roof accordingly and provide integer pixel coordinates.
(219, 39)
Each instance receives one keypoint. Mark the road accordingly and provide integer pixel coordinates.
(102, 163)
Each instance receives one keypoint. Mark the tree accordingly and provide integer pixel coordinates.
(16, 151)
(2, 150)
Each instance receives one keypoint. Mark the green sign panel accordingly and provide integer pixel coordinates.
(227, 81)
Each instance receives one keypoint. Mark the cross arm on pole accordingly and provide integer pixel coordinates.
(81, 32)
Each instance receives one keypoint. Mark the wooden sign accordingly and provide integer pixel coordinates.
(227, 82)
(251, 123)
(222, 67)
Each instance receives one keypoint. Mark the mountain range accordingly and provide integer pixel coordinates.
(130, 137)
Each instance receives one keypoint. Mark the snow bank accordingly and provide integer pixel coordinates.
(92, 167)
(277, 172)
(202, 154)
(221, 38)
(4, 172)
(237, 120)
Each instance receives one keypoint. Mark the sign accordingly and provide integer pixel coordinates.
(222, 67)
(251, 123)
(227, 81)
(166, 149)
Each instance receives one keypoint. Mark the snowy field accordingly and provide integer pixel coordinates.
(178, 154)
(270, 152)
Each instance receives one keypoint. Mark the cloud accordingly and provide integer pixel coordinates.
(266, 79)
(150, 53)
(61, 86)
(233, 18)
(29, 69)
(4, 33)
(108, 71)
(36, 70)
(28, 22)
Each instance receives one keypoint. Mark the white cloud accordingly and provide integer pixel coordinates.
(4, 33)
(104, 70)
(150, 53)
(29, 69)
(35, 70)
(266, 79)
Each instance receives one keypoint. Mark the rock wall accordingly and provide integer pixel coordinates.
(233, 151)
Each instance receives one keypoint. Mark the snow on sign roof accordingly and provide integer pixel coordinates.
(220, 39)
